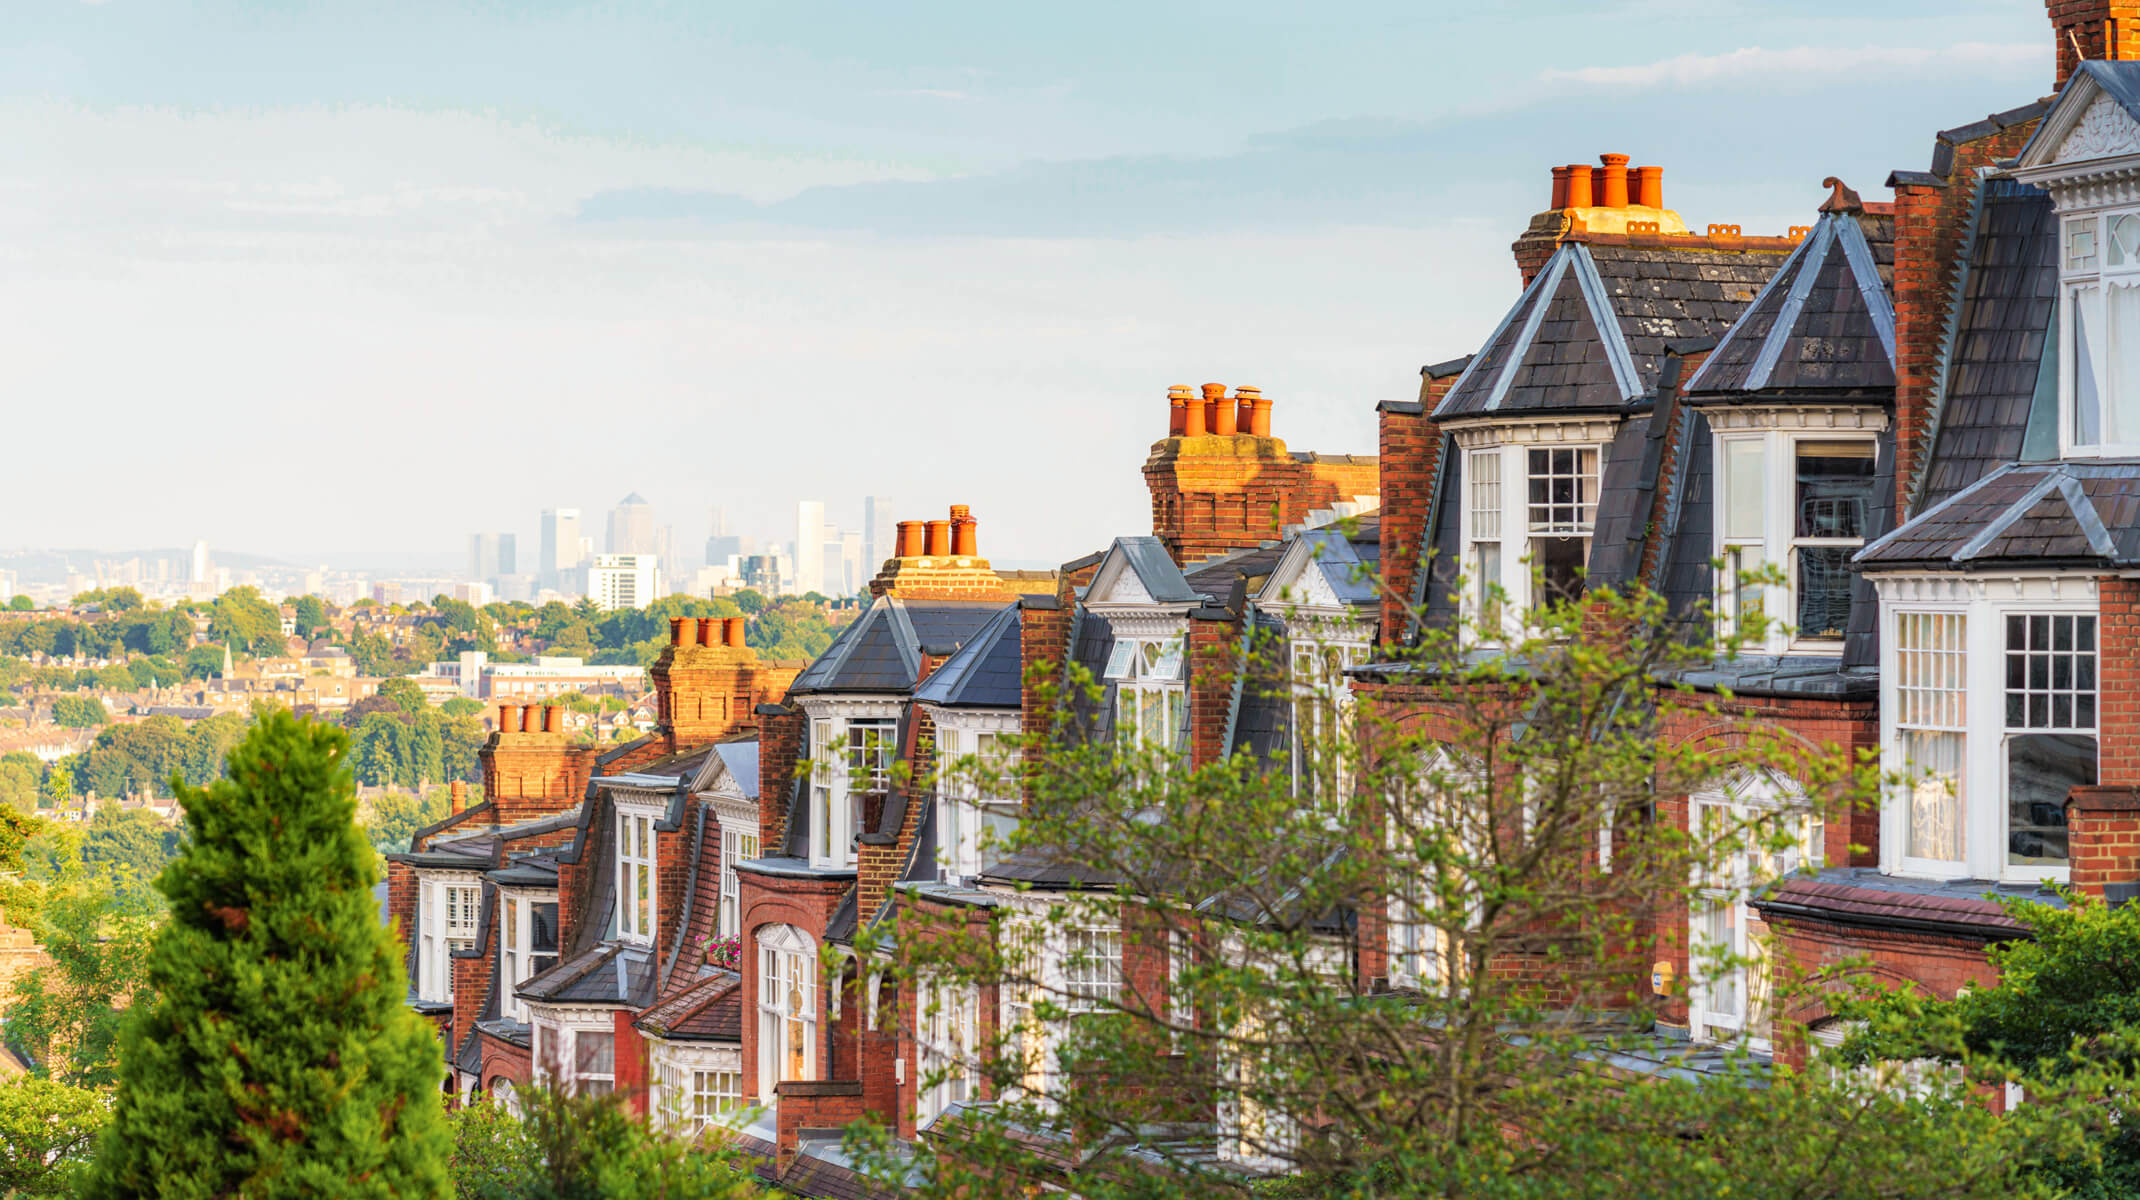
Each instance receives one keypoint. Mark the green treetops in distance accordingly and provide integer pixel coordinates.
(79, 712)
(270, 1053)
(21, 604)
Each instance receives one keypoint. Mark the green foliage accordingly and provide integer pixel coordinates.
(749, 602)
(79, 712)
(1506, 1065)
(587, 1148)
(154, 671)
(129, 847)
(311, 616)
(2066, 1003)
(204, 662)
(396, 816)
(46, 1132)
(117, 600)
(462, 706)
(21, 775)
(414, 748)
(271, 1052)
(68, 1014)
(244, 621)
(21, 603)
(791, 629)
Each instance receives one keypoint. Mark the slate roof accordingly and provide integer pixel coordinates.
(1155, 569)
(987, 672)
(620, 974)
(880, 651)
(1824, 324)
(2084, 513)
(741, 759)
(709, 1009)
(1864, 897)
(1997, 382)
(528, 870)
(1589, 333)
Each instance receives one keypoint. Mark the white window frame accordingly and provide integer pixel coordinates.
(1323, 704)
(1729, 888)
(1149, 676)
(739, 843)
(699, 1086)
(566, 1026)
(449, 911)
(787, 1004)
(835, 799)
(945, 1032)
(2101, 275)
(1985, 603)
(1777, 539)
(517, 960)
(1507, 446)
(638, 877)
(962, 812)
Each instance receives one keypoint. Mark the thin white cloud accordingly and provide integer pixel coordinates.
(1696, 70)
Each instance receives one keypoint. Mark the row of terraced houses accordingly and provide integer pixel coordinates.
(1915, 407)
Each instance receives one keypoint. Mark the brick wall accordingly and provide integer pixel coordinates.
(1411, 447)
(631, 1062)
(471, 981)
(2083, 29)
(780, 735)
(1214, 647)
(805, 903)
(1835, 958)
(1219, 492)
(813, 1104)
(1043, 645)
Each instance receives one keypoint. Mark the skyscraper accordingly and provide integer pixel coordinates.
(490, 555)
(560, 546)
(200, 564)
(879, 532)
(810, 546)
(617, 581)
(631, 527)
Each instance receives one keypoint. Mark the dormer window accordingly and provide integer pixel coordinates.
(853, 759)
(1149, 694)
(1530, 507)
(2100, 269)
(1802, 500)
(635, 874)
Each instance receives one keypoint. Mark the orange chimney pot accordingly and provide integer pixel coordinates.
(939, 539)
(732, 630)
(910, 539)
(1560, 187)
(1178, 398)
(1580, 193)
(1615, 189)
(505, 718)
(1649, 187)
(965, 534)
(549, 719)
(676, 630)
(706, 631)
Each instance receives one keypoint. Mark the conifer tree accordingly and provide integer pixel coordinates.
(271, 1054)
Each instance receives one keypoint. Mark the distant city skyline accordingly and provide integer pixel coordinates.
(749, 261)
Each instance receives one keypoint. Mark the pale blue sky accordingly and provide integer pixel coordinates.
(400, 271)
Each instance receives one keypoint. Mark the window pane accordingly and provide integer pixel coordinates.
(2050, 671)
(1561, 561)
(1824, 580)
(593, 1053)
(2040, 769)
(1488, 573)
(1743, 491)
(2121, 382)
(1934, 762)
(2080, 244)
(1835, 489)
(2088, 347)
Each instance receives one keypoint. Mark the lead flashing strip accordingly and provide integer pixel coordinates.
(1860, 257)
(1793, 301)
(1608, 322)
(1549, 282)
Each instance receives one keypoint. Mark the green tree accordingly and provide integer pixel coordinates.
(587, 1148)
(461, 738)
(128, 847)
(134, 758)
(272, 1052)
(46, 1132)
(1507, 1066)
(60, 781)
(462, 706)
(68, 1013)
(396, 816)
(310, 613)
(79, 712)
(748, 601)
(22, 604)
(552, 619)
(208, 743)
(203, 662)
(155, 671)
(243, 620)
(115, 678)
(21, 778)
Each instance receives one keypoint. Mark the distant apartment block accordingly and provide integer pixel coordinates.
(624, 581)
(475, 676)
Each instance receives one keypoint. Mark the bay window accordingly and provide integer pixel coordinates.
(575, 1050)
(594, 1062)
(855, 758)
(449, 908)
(1091, 969)
(697, 1088)
(2100, 277)
(1322, 711)
(635, 874)
(1529, 510)
(1802, 501)
(973, 821)
(1150, 696)
(1990, 705)
(787, 1007)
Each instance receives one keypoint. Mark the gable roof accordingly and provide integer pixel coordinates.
(1824, 322)
(880, 651)
(1326, 566)
(2040, 514)
(707, 1009)
(1139, 570)
(1589, 333)
(2115, 83)
(986, 672)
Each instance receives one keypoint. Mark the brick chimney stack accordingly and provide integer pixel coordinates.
(2084, 29)
(1609, 198)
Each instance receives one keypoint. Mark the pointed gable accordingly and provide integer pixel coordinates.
(1138, 570)
(2096, 116)
(1823, 325)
